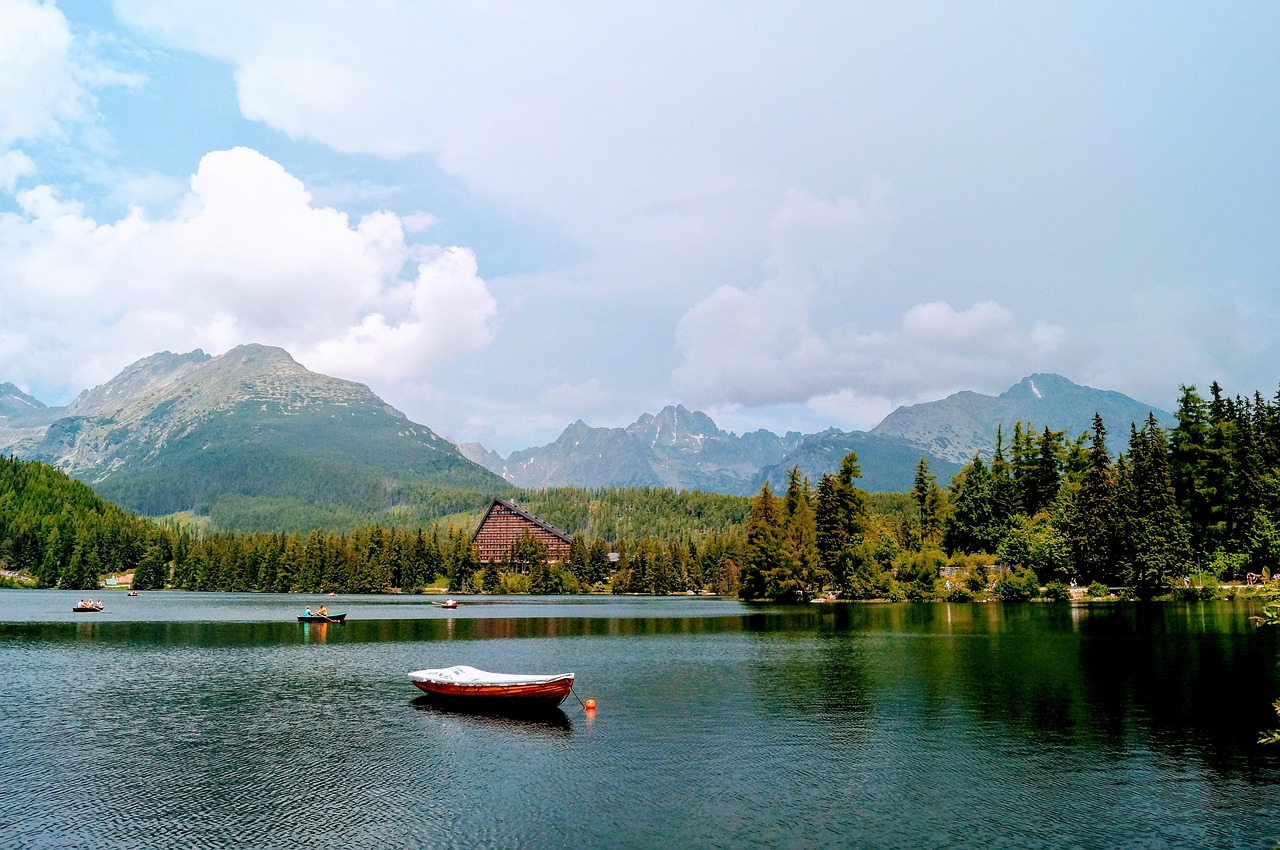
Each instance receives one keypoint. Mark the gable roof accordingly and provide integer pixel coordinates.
(512, 506)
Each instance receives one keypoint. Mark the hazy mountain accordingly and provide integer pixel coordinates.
(684, 449)
(888, 463)
(17, 409)
(23, 420)
(677, 448)
(178, 431)
(959, 425)
(184, 431)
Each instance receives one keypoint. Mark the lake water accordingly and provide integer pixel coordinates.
(216, 720)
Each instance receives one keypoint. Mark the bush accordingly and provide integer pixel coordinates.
(916, 592)
(1056, 591)
(509, 583)
(1017, 585)
(1098, 590)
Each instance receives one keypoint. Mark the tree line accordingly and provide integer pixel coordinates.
(56, 532)
(1175, 512)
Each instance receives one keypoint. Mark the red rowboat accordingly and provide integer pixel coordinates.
(468, 686)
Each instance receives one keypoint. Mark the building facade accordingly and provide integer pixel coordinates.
(505, 523)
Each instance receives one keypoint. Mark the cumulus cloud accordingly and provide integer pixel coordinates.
(38, 86)
(774, 344)
(14, 164)
(246, 256)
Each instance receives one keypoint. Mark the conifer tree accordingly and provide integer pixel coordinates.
(800, 531)
(1044, 479)
(763, 553)
(1157, 548)
(929, 502)
(974, 525)
(597, 561)
(1090, 520)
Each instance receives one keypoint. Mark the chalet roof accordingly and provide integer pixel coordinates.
(512, 506)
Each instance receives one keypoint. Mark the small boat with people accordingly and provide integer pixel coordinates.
(88, 606)
(461, 685)
(321, 616)
(132, 593)
(448, 603)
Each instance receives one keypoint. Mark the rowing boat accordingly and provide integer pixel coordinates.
(323, 618)
(462, 685)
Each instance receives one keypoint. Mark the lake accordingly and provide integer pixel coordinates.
(216, 720)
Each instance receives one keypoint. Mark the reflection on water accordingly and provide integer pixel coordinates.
(818, 726)
(511, 718)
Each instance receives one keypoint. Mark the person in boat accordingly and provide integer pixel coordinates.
(324, 612)
(307, 612)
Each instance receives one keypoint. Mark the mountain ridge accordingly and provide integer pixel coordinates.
(249, 419)
(177, 432)
(685, 449)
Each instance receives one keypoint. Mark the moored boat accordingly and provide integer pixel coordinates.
(323, 618)
(462, 685)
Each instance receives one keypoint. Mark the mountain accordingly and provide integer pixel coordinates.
(19, 409)
(23, 420)
(960, 425)
(888, 463)
(182, 431)
(684, 449)
(254, 431)
(677, 448)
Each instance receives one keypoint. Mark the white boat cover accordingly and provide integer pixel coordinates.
(463, 675)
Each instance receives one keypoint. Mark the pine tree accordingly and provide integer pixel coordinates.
(1158, 547)
(763, 554)
(1091, 531)
(1044, 479)
(799, 530)
(1188, 467)
(974, 525)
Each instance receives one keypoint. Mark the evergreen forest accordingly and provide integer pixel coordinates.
(1182, 513)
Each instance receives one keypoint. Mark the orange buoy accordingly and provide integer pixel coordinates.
(590, 705)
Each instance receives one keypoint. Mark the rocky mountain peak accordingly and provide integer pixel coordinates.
(139, 379)
(675, 426)
(17, 409)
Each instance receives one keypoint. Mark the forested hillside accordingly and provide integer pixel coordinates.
(1175, 512)
(59, 532)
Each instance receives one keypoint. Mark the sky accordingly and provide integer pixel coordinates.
(504, 217)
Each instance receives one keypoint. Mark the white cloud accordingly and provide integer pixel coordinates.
(247, 257)
(776, 344)
(575, 401)
(38, 87)
(14, 164)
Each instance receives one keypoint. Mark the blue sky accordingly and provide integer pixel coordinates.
(505, 217)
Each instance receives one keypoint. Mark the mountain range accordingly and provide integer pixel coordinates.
(684, 449)
(177, 432)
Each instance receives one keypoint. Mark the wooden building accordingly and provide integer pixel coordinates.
(505, 523)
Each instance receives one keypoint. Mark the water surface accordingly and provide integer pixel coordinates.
(217, 720)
